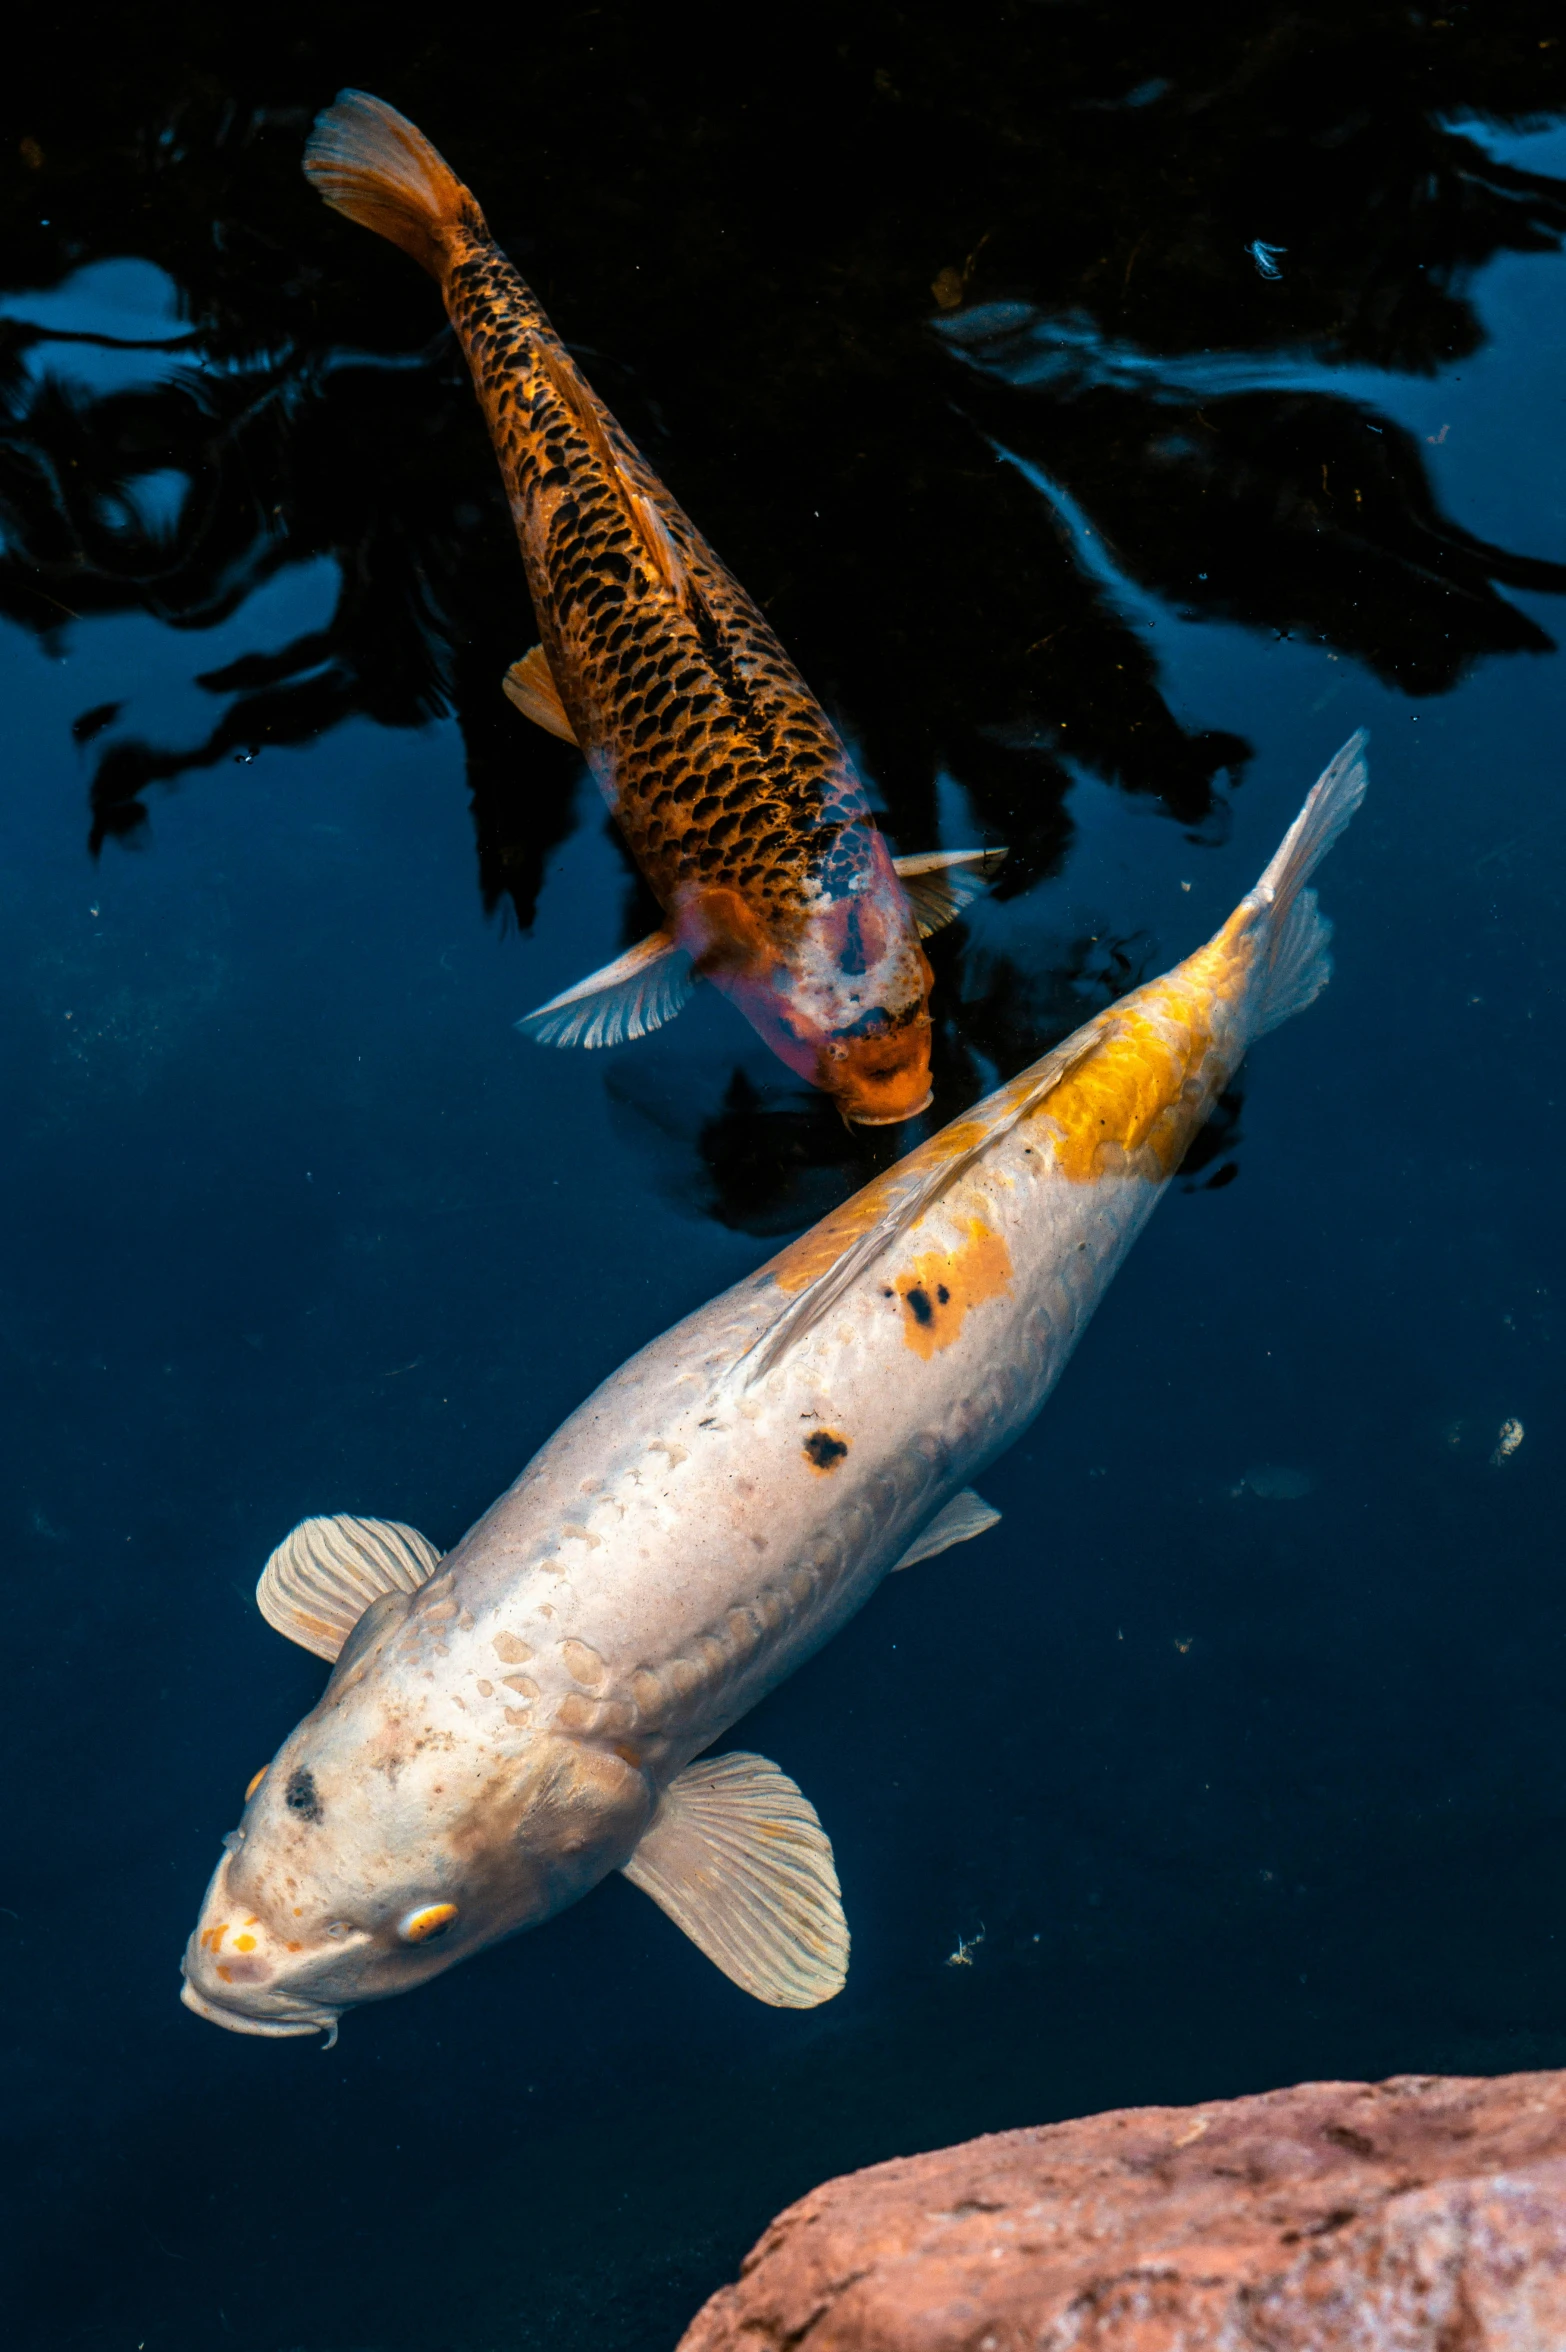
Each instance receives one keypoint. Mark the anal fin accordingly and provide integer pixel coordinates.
(634, 995)
(321, 1579)
(941, 882)
(530, 685)
(965, 1516)
(736, 1857)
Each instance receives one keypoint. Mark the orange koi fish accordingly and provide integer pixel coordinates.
(733, 788)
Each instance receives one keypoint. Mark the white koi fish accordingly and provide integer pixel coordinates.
(506, 1726)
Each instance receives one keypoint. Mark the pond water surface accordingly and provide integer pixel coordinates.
(1111, 414)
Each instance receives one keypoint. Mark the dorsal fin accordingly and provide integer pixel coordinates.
(321, 1579)
(659, 545)
(645, 520)
(819, 1267)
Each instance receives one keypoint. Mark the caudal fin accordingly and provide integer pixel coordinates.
(369, 162)
(1299, 964)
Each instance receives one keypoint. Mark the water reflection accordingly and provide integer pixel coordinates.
(965, 447)
(1193, 1831)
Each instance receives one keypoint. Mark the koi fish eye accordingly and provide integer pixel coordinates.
(254, 1782)
(430, 1920)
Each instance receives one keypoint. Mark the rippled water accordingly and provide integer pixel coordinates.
(1235, 1754)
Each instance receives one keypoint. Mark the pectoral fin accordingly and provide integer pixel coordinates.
(967, 1514)
(530, 684)
(635, 994)
(321, 1579)
(941, 882)
(737, 1858)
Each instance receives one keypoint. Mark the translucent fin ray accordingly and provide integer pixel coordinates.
(1300, 964)
(321, 1579)
(631, 997)
(941, 882)
(369, 162)
(965, 1516)
(1329, 804)
(529, 686)
(739, 1861)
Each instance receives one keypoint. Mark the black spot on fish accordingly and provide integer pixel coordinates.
(942, 1293)
(824, 1450)
(919, 1305)
(300, 1796)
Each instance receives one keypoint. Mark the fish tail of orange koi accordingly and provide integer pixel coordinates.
(370, 162)
(1297, 934)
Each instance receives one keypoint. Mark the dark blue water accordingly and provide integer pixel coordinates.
(1235, 1755)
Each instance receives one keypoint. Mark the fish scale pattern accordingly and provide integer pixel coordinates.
(722, 768)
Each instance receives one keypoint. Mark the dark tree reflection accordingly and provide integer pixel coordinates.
(832, 298)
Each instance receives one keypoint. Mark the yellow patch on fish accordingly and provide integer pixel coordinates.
(939, 1288)
(817, 1252)
(1133, 1104)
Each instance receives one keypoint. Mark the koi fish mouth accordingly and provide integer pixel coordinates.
(890, 1118)
(877, 1087)
(241, 1989)
(286, 2016)
(878, 1072)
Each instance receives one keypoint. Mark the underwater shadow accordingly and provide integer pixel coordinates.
(1061, 328)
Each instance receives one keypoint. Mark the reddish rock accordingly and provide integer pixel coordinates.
(1426, 2214)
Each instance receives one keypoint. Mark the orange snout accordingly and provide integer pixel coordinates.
(878, 1081)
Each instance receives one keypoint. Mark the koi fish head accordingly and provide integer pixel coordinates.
(878, 1071)
(380, 1846)
(844, 997)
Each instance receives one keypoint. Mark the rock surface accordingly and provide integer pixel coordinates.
(1425, 2214)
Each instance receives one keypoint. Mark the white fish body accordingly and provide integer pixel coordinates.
(507, 1727)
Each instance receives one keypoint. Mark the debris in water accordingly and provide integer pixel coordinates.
(1272, 1483)
(1506, 1444)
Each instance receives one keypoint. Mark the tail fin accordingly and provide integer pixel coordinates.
(368, 161)
(1299, 965)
